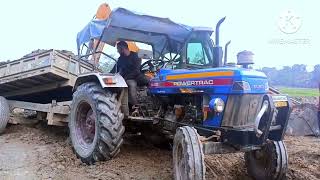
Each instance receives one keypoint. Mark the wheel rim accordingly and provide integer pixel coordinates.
(85, 125)
(262, 159)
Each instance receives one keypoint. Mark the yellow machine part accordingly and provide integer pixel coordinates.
(103, 13)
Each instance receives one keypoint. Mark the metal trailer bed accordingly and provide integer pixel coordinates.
(42, 82)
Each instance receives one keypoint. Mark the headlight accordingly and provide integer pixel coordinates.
(241, 86)
(217, 105)
(109, 80)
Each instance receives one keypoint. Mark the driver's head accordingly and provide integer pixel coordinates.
(123, 48)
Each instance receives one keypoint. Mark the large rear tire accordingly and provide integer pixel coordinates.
(4, 113)
(270, 162)
(95, 124)
(188, 157)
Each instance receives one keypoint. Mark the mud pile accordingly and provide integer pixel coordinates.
(304, 118)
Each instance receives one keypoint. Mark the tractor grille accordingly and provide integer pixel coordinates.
(241, 111)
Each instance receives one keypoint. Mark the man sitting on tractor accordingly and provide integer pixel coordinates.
(129, 68)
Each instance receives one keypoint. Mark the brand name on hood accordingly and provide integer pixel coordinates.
(194, 83)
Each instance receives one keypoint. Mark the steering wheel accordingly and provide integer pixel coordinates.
(152, 65)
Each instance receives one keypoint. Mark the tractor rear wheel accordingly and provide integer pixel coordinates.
(270, 162)
(188, 157)
(95, 124)
(4, 113)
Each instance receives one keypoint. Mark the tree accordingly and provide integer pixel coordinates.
(301, 78)
(285, 77)
(106, 64)
(272, 74)
(316, 74)
(295, 76)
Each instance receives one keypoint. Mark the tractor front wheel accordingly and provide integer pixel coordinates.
(270, 162)
(188, 157)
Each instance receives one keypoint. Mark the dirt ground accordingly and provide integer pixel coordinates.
(42, 152)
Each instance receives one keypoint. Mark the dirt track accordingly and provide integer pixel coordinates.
(42, 152)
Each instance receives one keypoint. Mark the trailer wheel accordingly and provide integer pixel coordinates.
(95, 124)
(188, 157)
(270, 162)
(4, 113)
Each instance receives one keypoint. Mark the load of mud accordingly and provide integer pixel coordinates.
(39, 51)
(304, 118)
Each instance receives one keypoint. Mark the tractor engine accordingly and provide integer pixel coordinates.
(182, 109)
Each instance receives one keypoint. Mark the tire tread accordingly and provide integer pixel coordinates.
(109, 121)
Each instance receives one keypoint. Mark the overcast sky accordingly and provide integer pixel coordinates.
(250, 25)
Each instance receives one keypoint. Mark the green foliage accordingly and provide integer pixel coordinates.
(300, 91)
(106, 64)
(295, 76)
(316, 73)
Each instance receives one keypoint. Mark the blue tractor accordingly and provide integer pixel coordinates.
(203, 104)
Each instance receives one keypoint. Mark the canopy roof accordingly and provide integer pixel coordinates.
(127, 25)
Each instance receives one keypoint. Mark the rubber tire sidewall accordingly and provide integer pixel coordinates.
(279, 157)
(82, 95)
(188, 138)
(4, 114)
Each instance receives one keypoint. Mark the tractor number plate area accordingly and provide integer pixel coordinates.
(280, 101)
(280, 104)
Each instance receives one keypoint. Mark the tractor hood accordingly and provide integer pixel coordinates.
(226, 80)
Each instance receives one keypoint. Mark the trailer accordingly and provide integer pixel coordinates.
(43, 82)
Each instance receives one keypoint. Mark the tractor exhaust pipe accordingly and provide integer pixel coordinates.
(217, 50)
(226, 53)
(218, 30)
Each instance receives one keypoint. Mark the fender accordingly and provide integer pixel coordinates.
(106, 80)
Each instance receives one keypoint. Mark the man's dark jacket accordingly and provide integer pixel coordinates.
(129, 66)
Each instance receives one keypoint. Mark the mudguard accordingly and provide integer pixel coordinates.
(106, 80)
